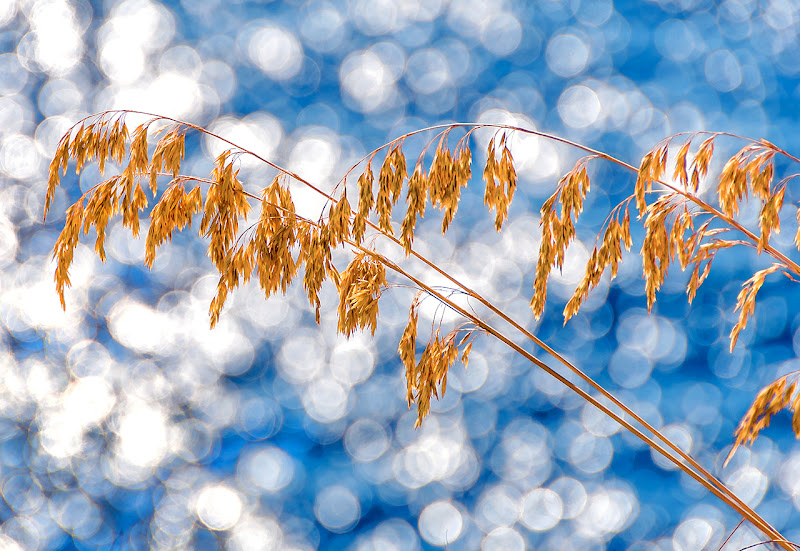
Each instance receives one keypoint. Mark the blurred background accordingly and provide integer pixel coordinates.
(126, 424)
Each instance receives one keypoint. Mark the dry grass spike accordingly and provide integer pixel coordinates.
(770, 400)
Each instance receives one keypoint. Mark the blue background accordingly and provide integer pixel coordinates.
(126, 424)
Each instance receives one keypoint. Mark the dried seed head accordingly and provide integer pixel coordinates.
(442, 175)
(644, 183)
(609, 253)
(416, 197)
(797, 235)
(501, 181)
(557, 233)
(138, 161)
(65, 247)
(701, 161)
(168, 154)
(58, 166)
(431, 372)
(407, 348)
(277, 232)
(680, 165)
(174, 211)
(390, 183)
(769, 220)
(663, 240)
(770, 400)
(461, 173)
(339, 220)
(315, 253)
(225, 202)
(365, 203)
(101, 204)
(746, 301)
(359, 290)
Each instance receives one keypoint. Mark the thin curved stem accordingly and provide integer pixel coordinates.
(735, 503)
(719, 488)
(707, 480)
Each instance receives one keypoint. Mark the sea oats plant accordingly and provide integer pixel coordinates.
(279, 245)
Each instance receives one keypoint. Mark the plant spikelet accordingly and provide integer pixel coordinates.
(101, 204)
(315, 253)
(558, 232)
(770, 400)
(753, 165)
(58, 166)
(501, 181)
(359, 291)
(431, 372)
(769, 221)
(701, 161)
(65, 247)
(461, 173)
(408, 346)
(680, 165)
(174, 211)
(275, 237)
(643, 183)
(415, 196)
(447, 177)
(661, 243)
(746, 301)
(138, 158)
(339, 220)
(225, 202)
(365, 203)
(609, 254)
(390, 183)
(167, 156)
(797, 234)
(268, 251)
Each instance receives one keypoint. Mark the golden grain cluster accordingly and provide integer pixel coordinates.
(280, 242)
(770, 400)
(677, 223)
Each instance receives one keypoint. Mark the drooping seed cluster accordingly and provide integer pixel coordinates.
(770, 400)
(106, 139)
(442, 186)
(390, 183)
(266, 248)
(559, 214)
(753, 167)
(746, 300)
(359, 291)
(423, 377)
(280, 242)
(749, 171)
(225, 203)
(616, 235)
(173, 212)
(501, 180)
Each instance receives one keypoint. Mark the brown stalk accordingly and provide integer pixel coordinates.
(710, 481)
(724, 494)
(732, 498)
(699, 474)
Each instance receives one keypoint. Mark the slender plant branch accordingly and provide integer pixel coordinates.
(697, 472)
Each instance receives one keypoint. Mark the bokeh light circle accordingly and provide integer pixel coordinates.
(337, 508)
(218, 507)
(440, 523)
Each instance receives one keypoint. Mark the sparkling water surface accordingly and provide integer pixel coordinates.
(126, 424)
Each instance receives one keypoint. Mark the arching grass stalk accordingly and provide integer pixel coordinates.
(281, 241)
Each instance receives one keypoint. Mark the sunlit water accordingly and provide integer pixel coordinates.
(125, 423)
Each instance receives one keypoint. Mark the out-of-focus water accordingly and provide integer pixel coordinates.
(126, 424)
